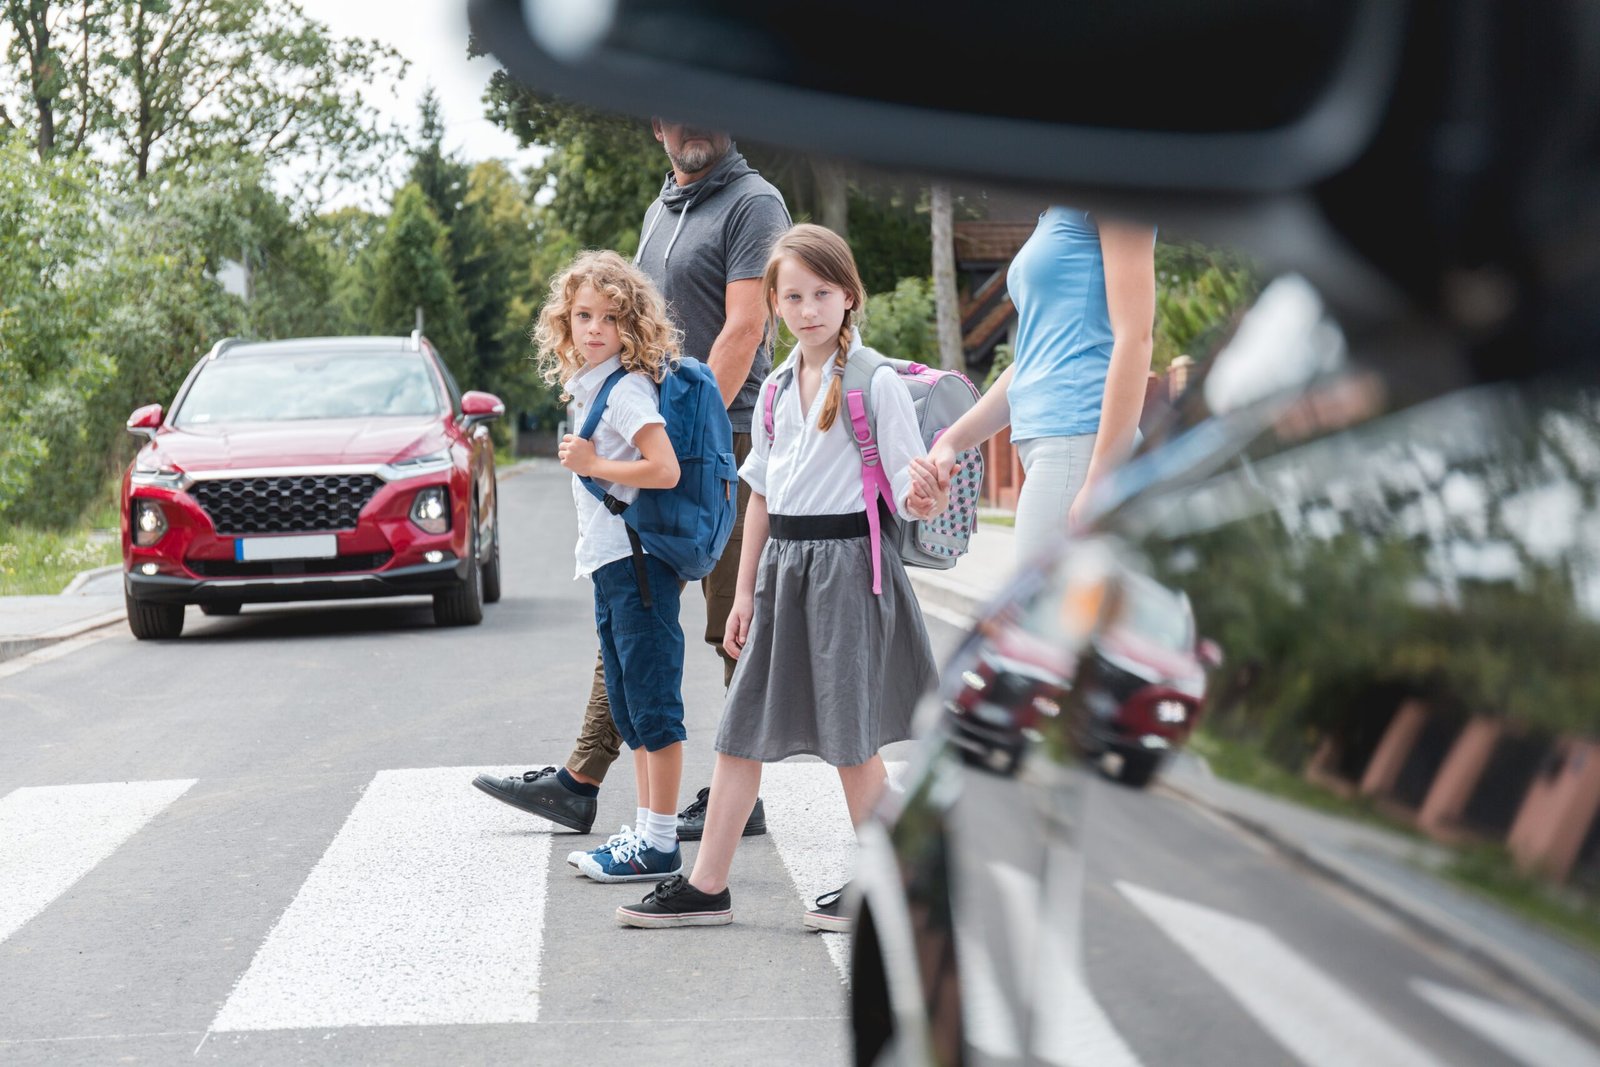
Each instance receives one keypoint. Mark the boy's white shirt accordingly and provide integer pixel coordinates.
(633, 405)
(811, 473)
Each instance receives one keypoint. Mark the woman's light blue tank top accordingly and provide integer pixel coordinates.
(1063, 348)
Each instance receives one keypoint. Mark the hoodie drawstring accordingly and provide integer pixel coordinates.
(648, 230)
(675, 231)
(651, 228)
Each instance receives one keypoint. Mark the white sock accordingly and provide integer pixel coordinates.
(661, 831)
(641, 816)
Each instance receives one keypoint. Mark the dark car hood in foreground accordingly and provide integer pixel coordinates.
(313, 442)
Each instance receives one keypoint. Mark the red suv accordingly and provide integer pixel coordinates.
(312, 469)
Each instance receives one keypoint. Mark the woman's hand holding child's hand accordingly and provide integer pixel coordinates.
(577, 454)
(930, 488)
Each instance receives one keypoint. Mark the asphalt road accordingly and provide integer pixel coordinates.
(259, 844)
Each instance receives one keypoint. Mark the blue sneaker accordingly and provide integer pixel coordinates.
(632, 861)
(627, 833)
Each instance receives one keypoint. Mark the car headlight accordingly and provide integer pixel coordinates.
(147, 473)
(410, 468)
(149, 522)
(1171, 711)
(430, 509)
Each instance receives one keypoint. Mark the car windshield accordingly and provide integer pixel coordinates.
(314, 385)
(1157, 614)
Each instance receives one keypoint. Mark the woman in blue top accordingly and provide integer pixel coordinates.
(1085, 292)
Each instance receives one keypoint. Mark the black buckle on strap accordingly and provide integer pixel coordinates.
(613, 505)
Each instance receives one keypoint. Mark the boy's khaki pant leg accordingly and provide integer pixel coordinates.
(599, 744)
(723, 582)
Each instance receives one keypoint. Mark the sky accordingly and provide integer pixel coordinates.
(432, 34)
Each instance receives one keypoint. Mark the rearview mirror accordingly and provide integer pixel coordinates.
(479, 407)
(145, 421)
(1247, 96)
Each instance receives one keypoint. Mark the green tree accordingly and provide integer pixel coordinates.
(173, 84)
(411, 270)
(1200, 293)
(900, 323)
(492, 230)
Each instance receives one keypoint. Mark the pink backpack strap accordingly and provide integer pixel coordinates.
(873, 479)
(770, 389)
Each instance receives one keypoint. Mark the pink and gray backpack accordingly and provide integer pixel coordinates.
(940, 397)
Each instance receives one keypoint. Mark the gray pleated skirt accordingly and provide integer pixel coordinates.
(828, 668)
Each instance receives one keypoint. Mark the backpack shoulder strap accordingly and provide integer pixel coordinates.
(771, 390)
(592, 423)
(859, 371)
(598, 407)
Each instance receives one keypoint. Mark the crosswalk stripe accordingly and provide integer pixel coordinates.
(1309, 1013)
(427, 908)
(1534, 1041)
(51, 836)
(810, 827)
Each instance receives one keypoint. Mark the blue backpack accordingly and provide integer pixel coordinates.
(685, 527)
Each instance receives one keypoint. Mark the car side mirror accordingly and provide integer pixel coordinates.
(1208, 652)
(477, 408)
(146, 421)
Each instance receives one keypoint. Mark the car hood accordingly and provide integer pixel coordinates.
(1156, 663)
(313, 442)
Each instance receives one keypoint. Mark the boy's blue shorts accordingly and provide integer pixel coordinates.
(642, 649)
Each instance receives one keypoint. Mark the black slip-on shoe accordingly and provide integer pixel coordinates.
(541, 793)
(692, 820)
(829, 914)
(675, 902)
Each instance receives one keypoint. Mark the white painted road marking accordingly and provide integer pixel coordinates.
(1534, 1041)
(428, 907)
(1309, 1013)
(51, 836)
(810, 827)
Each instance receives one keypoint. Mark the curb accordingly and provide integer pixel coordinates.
(1440, 928)
(13, 647)
(83, 578)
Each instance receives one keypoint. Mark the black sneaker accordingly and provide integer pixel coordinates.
(692, 820)
(829, 914)
(541, 793)
(675, 902)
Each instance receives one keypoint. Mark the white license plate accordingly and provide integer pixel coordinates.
(308, 546)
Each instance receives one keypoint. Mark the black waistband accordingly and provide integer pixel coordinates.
(818, 527)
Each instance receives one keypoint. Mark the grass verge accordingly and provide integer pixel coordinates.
(1489, 872)
(34, 561)
(1484, 870)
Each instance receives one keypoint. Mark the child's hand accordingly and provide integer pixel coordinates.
(930, 488)
(923, 505)
(738, 628)
(577, 454)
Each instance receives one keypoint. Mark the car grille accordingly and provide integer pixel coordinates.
(307, 503)
(227, 568)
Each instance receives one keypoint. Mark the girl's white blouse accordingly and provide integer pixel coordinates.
(810, 472)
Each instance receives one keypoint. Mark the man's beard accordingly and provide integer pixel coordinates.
(693, 159)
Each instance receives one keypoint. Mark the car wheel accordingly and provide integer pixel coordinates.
(153, 622)
(221, 607)
(1138, 768)
(491, 569)
(463, 605)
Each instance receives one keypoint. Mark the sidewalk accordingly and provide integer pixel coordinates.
(1388, 869)
(29, 623)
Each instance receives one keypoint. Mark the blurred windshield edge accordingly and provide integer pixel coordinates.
(570, 48)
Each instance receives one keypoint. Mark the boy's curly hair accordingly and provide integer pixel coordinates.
(650, 340)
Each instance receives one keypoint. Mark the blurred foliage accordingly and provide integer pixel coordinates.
(900, 323)
(1200, 293)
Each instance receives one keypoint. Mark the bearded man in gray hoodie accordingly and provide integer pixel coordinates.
(704, 242)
